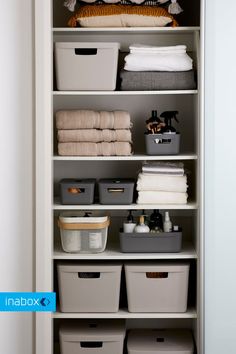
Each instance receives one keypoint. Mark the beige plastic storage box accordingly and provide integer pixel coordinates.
(89, 287)
(80, 234)
(86, 66)
(92, 337)
(157, 287)
(158, 341)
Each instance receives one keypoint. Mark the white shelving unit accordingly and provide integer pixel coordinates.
(50, 168)
(124, 314)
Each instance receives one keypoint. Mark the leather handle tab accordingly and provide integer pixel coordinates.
(83, 226)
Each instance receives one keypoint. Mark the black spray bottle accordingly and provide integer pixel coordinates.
(168, 116)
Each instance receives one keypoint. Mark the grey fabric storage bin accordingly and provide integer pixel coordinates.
(157, 341)
(86, 66)
(92, 337)
(157, 80)
(77, 191)
(150, 243)
(89, 287)
(116, 191)
(162, 144)
(157, 287)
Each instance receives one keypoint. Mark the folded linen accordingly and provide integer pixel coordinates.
(145, 49)
(94, 135)
(169, 168)
(158, 197)
(95, 149)
(158, 62)
(162, 183)
(88, 119)
(157, 80)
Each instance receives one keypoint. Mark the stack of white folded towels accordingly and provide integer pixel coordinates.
(152, 58)
(162, 183)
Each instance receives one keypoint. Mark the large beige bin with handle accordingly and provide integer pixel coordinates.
(89, 287)
(157, 341)
(157, 287)
(92, 337)
(86, 66)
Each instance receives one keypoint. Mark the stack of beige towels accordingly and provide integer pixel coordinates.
(162, 183)
(93, 133)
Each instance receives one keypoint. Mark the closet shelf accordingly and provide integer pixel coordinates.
(124, 93)
(124, 30)
(125, 314)
(113, 253)
(126, 158)
(188, 206)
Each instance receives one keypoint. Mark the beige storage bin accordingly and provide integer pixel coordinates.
(81, 234)
(157, 287)
(89, 287)
(92, 337)
(147, 341)
(86, 66)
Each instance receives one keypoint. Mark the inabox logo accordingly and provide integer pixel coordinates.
(30, 302)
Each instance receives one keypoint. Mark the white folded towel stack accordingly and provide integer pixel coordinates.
(162, 183)
(152, 58)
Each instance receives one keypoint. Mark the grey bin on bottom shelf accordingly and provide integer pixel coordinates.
(89, 287)
(157, 286)
(162, 144)
(92, 336)
(159, 341)
(77, 191)
(116, 191)
(151, 242)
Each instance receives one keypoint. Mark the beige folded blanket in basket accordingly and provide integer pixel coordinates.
(94, 135)
(95, 149)
(88, 119)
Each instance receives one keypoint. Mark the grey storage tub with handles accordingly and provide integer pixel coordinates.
(160, 341)
(162, 144)
(89, 287)
(151, 242)
(157, 286)
(92, 337)
(86, 66)
(77, 191)
(116, 191)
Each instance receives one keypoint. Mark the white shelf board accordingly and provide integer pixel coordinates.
(140, 157)
(124, 30)
(113, 253)
(188, 206)
(125, 314)
(124, 93)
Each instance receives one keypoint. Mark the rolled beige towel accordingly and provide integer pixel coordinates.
(95, 149)
(88, 119)
(93, 135)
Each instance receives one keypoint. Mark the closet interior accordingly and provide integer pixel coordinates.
(188, 216)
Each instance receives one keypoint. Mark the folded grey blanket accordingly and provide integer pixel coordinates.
(157, 80)
(88, 119)
(94, 135)
(95, 149)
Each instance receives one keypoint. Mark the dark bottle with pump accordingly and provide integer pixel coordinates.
(156, 221)
(154, 124)
(168, 116)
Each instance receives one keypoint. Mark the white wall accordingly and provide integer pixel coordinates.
(16, 112)
(220, 238)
